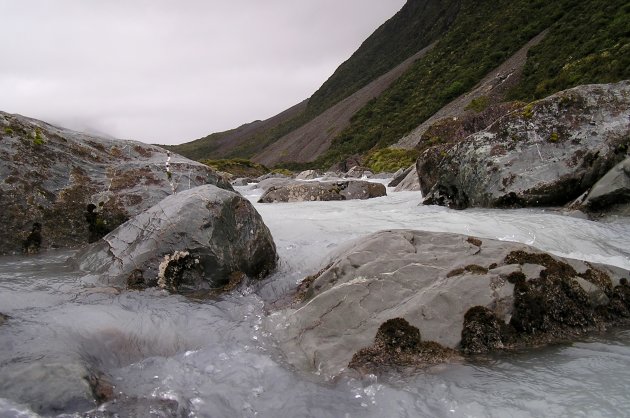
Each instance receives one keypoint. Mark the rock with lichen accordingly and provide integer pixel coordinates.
(50, 175)
(398, 344)
(197, 240)
(323, 191)
(545, 154)
(468, 294)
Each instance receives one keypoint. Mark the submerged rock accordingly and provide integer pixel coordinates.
(3, 318)
(546, 154)
(460, 293)
(50, 175)
(318, 191)
(203, 238)
(48, 386)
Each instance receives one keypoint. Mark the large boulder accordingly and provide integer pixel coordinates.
(547, 153)
(315, 190)
(611, 192)
(202, 238)
(459, 292)
(49, 176)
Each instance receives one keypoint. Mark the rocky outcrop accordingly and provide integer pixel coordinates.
(400, 175)
(50, 175)
(411, 182)
(358, 172)
(200, 239)
(548, 153)
(243, 181)
(611, 192)
(318, 191)
(462, 293)
(308, 175)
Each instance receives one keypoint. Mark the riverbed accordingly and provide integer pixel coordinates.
(167, 355)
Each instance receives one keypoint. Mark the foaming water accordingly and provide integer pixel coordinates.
(167, 355)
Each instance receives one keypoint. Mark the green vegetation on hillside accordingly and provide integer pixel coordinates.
(590, 44)
(415, 26)
(390, 160)
(238, 167)
(587, 43)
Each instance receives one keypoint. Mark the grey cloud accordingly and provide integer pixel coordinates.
(172, 71)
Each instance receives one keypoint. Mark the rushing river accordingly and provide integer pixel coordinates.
(169, 356)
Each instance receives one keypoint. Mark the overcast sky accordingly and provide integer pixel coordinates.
(169, 71)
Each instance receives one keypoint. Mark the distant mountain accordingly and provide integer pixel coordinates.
(430, 54)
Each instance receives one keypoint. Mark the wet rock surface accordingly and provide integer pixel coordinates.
(398, 344)
(50, 175)
(612, 192)
(61, 386)
(323, 191)
(468, 294)
(199, 239)
(411, 182)
(545, 154)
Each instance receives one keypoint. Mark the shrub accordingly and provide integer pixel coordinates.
(390, 159)
(38, 139)
(479, 104)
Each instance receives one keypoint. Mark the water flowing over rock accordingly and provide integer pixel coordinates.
(459, 292)
(49, 176)
(319, 191)
(203, 238)
(548, 153)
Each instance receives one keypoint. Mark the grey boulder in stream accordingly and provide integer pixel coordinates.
(202, 238)
(405, 298)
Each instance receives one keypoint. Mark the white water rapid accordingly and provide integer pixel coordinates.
(169, 356)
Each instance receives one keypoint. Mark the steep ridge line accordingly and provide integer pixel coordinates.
(314, 138)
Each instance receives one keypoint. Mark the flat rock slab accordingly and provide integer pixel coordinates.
(323, 191)
(432, 280)
(202, 238)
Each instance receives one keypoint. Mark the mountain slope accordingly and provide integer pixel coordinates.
(415, 26)
(222, 144)
(588, 41)
(312, 139)
(484, 34)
